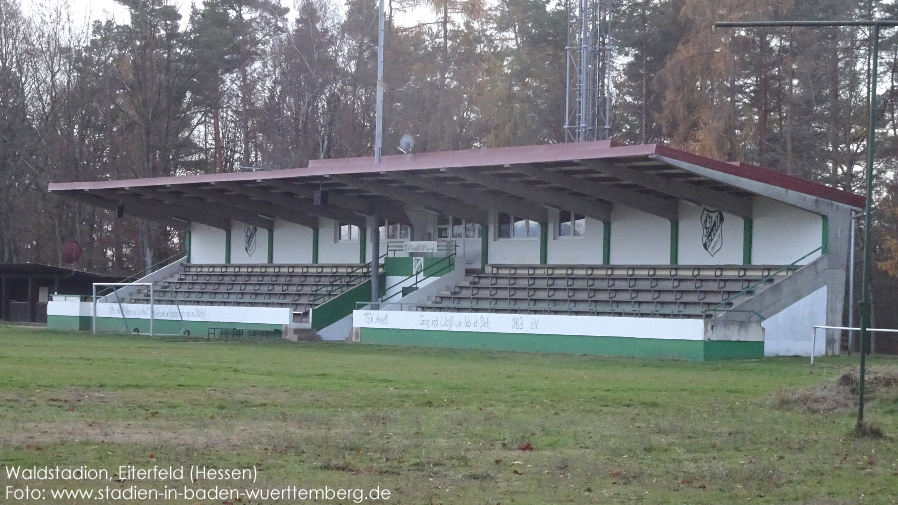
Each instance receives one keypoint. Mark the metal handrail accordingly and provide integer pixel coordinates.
(451, 263)
(146, 271)
(335, 287)
(791, 266)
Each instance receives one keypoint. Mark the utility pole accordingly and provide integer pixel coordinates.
(868, 204)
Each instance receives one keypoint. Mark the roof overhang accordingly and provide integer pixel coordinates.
(588, 178)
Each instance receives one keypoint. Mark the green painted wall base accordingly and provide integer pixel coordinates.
(160, 326)
(697, 350)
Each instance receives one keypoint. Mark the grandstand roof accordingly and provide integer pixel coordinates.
(587, 178)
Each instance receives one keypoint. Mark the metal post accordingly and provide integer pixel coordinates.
(152, 308)
(93, 304)
(375, 259)
(379, 105)
(851, 284)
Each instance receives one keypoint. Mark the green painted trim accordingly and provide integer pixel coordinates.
(117, 325)
(228, 247)
(696, 350)
(363, 245)
(484, 246)
(189, 244)
(748, 230)
(606, 242)
(674, 241)
(402, 266)
(69, 323)
(315, 246)
(341, 306)
(543, 243)
(824, 248)
(271, 245)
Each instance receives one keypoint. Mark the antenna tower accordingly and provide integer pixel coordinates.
(588, 97)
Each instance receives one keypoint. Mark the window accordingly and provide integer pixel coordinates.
(517, 227)
(454, 227)
(347, 232)
(571, 224)
(394, 231)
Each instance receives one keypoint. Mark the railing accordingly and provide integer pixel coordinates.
(444, 264)
(567, 309)
(339, 285)
(752, 287)
(146, 271)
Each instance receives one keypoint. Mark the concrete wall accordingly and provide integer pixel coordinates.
(243, 253)
(783, 233)
(638, 238)
(790, 332)
(207, 244)
(332, 251)
(292, 243)
(691, 250)
(584, 249)
(511, 250)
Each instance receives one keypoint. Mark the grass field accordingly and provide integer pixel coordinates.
(437, 426)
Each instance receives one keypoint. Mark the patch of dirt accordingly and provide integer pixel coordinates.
(840, 395)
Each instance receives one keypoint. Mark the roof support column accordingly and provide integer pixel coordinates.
(228, 246)
(271, 245)
(189, 238)
(4, 298)
(606, 242)
(315, 245)
(674, 241)
(748, 227)
(543, 243)
(484, 246)
(374, 224)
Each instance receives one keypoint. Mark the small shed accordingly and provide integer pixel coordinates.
(25, 289)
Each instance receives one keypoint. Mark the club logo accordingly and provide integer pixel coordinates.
(712, 230)
(249, 234)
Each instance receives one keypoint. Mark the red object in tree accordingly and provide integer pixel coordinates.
(71, 251)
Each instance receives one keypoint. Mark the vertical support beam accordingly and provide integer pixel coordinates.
(543, 243)
(189, 245)
(30, 300)
(228, 246)
(315, 246)
(4, 295)
(674, 241)
(824, 246)
(484, 246)
(374, 224)
(271, 245)
(363, 244)
(606, 242)
(748, 231)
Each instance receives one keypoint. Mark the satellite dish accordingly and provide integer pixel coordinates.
(407, 143)
(71, 251)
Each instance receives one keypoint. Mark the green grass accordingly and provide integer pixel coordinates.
(438, 426)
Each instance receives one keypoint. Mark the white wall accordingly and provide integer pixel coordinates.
(691, 250)
(207, 244)
(790, 332)
(576, 250)
(331, 251)
(639, 238)
(423, 224)
(505, 251)
(783, 233)
(292, 243)
(239, 253)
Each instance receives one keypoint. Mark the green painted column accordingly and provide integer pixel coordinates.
(227, 247)
(824, 247)
(543, 243)
(484, 246)
(363, 245)
(271, 245)
(606, 242)
(748, 227)
(674, 241)
(314, 246)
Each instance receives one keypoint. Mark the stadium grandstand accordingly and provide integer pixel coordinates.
(588, 248)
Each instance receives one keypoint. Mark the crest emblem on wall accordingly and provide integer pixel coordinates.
(249, 244)
(712, 230)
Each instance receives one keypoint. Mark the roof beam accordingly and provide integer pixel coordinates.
(596, 209)
(263, 206)
(435, 203)
(294, 203)
(202, 209)
(357, 203)
(130, 209)
(736, 205)
(472, 197)
(660, 207)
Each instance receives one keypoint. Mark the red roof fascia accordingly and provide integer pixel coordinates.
(766, 176)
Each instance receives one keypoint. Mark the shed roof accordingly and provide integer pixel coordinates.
(588, 178)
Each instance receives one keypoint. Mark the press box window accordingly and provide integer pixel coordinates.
(395, 231)
(454, 227)
(571, 224)
(347, 232)
(516, 227)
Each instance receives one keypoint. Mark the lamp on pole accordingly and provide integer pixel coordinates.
(868, 215)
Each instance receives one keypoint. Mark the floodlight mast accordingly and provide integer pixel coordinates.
(379, 104)
(868, 203)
